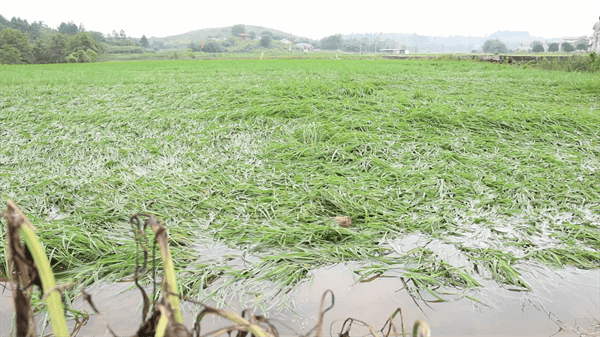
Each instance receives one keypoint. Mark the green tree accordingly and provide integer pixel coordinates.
(553, 47)
(19, 24)
(230, 41)
(20, 41)
(252, 35)
(58, 48)
(9, 55)
(494, 46)
(537, 47)
(352, 45)
(332, 42)
(4, 23)
(37, 30)
(144, 41)
(41, 51)
(567, 47)
(84, 42)
(195, 47)
(212, 47)
(98, 37)
(582, 46)
(238, 29)
(68, 28)
(265, 40)
(158, 45)
(33, 30)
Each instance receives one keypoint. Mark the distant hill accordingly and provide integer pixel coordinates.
(414, 42)
(450, 44)
(181, 40)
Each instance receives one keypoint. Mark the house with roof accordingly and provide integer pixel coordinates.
(525, 47)
(399, 50)
(574, 39)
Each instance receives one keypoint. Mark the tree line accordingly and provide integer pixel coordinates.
(497, 46)
(22, 42)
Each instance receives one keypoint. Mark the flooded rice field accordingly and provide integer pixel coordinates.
(562, 302)
(472, 188)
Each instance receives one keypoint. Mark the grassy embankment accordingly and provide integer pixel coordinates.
(499, 162)
(256, 54)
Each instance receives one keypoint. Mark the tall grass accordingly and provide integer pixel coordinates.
(497, 162)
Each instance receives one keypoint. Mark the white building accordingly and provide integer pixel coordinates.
(395, 51)
(305, 47)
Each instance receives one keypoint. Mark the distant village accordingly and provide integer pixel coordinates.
(305, 47)
(521, 42)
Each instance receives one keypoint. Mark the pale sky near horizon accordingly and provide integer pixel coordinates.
(317, 18)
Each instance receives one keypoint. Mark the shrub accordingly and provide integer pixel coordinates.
(553, 47)
(594, 61)
(265, 40)
(80, 56)
(589, 64)
(91, 55)
(538, 48)
(582, 46)
(212, 47)
(195, 47)
(71, 58)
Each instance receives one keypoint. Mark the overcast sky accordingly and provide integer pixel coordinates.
(317, 18)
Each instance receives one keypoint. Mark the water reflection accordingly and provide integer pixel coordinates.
(568, 294)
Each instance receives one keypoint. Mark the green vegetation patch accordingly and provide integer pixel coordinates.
(497, 162)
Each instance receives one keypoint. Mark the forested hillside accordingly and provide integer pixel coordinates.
(36, 42)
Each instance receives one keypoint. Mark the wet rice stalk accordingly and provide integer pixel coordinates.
(29, 266)
(499, 164)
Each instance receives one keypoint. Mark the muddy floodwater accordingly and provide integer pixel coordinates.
(570, 295)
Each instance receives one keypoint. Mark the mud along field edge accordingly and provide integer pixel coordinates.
(498, 163)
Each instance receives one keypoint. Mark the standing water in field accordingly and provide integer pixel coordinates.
(566, 298)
